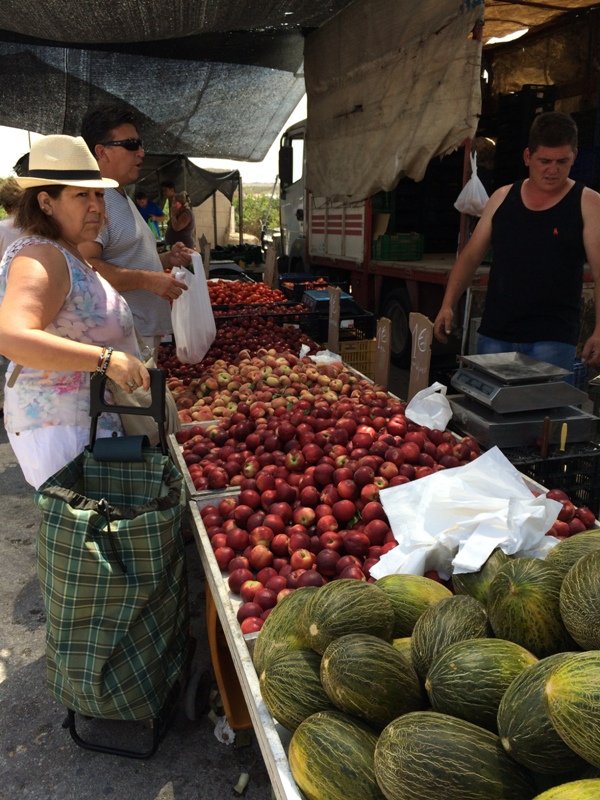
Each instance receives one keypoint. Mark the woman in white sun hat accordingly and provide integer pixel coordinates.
(60, 320)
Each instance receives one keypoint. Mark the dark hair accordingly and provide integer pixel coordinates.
(552, 129)
(167, 185)
(98, 123)
(10, 192)
(140, 196)
(30, 217)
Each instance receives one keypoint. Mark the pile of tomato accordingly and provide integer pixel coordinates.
(226, 293)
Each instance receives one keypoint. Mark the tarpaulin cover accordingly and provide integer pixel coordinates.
(219, 78)
(199, 183)
(394, 79)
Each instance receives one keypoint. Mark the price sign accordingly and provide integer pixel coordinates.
(421, 329)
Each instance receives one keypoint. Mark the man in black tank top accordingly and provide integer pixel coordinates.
(542, 231)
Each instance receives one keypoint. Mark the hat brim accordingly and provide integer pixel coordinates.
(101, 183)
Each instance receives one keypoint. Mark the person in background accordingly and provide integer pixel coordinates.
(542, 231)
(152, 213)
(168, 192)
(60, 321)
(10, 192)
(182, 226)
(125, 249)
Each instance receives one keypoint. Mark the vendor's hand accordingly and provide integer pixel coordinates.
(179, 255)
(165, 285)
(128, 371)
(590, 355)
(442, 327)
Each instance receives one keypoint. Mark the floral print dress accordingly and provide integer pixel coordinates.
(93, 313)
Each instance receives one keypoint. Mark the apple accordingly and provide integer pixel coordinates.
(280, 509)
(323, 474)
(327, 560)
(347, 561)
(586, 515)
(304, 515)
(347, 489)
(344, 510)
(219, 540)
(284, 593)
(246, 610)
(328, 522)
(251, 624)
(302, 559)
(369, 492)
(279, 544)
(255, 520)
(310, 577)
(237, 577)
(265, 573)
(248, 589)
(262, 535)
(292, 578)
(331, 540)
(260, 556)
(373, 510)
(237, 539)
(376, 531)
(238, 562)
(576, 525)
(266, 598)
(567, 511)
(274, 521)
(294, 461)
(557, 494)
(241, 514)
(276, 583)
(223, 556)
(354, 572)
(298, 541)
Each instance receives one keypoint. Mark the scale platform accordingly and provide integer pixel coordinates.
(519, 428)
(511, 382)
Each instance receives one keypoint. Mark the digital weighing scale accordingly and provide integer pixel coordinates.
(505, 398)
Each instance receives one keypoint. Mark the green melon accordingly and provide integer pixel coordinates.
(575, 790)
(580, 601)
(370, 679)
(451, 620)
(403, 646)
(476, 584)
(573, 701)
(410, 596)
(347, 606)
(427, 754)
(468, 679)
(523, 607)
(331, 758)
(568, 551)
(524, 725)
(291, 687)
(283, 629)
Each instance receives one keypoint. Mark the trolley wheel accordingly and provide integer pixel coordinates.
(197, 694)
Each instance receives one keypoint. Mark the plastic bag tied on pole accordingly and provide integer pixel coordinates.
(473, 196)
(453, 520)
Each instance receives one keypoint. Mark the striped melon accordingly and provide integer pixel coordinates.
(291, 687)
(523, 607)
(524, 726)
(476, 584)
(427, 754)
(283, 629)
(410, 596)
(331, 758)
(451, 620)
(575, 790)
(573, 700)
(370, 679)
(569, 551)
(580, 601)
(403, 645)
(347, 606)
(468, 679)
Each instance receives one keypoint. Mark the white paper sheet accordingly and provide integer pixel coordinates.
(452, 520)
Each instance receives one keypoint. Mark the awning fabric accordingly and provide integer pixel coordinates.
(199, 183)
(390, 84)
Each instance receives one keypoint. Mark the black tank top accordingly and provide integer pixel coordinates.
(535, 283)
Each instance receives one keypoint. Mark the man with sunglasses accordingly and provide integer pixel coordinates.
(125, 250)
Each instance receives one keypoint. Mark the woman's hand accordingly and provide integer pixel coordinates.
(179, 255)
(128, 372)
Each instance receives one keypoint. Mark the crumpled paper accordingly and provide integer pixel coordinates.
(224, 732)
(452, 520)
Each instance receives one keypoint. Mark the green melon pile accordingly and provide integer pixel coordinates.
(399, 690)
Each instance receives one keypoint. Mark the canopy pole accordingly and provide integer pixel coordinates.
(214, 205)
(241, 210)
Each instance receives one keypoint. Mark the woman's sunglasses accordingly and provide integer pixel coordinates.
(128, 144)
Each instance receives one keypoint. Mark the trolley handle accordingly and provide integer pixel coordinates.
(156, 409)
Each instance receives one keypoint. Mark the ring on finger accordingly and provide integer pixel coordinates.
(132, 385)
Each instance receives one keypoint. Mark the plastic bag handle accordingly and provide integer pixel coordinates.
(156, 409)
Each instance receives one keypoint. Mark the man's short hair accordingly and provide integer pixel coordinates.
(552, 129)
(167, 185)
(10, 192)
(99, 122)
(140, 196)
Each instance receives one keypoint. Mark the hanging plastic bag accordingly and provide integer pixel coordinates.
(430, 407)
(192, 317)
(473, 196)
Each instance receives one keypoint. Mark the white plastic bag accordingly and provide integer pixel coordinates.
(192, 317)
(430, 407)
(473, 196)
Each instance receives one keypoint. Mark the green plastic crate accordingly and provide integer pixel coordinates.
(399, 247)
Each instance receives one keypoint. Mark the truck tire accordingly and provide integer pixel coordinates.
(396, 307)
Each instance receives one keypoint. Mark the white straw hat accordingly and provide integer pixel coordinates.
(63, 160)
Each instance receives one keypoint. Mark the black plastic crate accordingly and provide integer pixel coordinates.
(353, 327)
(295, 284)
(576, 471)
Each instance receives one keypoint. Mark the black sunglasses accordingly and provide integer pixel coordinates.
(128, 144)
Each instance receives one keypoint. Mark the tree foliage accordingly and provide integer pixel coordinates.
(259, 210)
